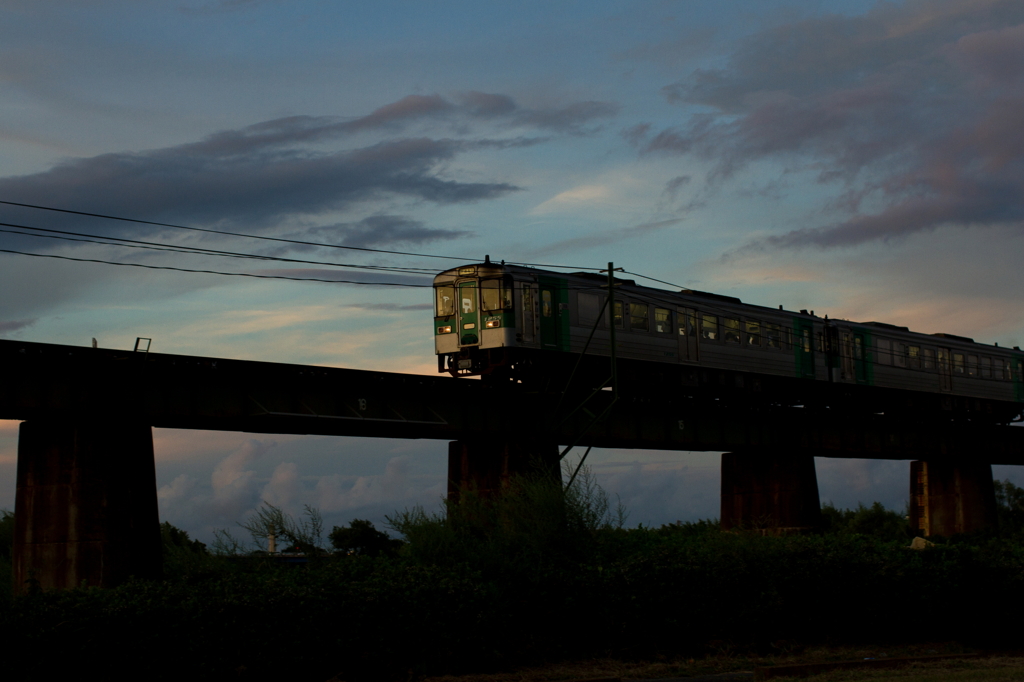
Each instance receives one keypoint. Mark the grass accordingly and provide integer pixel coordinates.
(731, 661)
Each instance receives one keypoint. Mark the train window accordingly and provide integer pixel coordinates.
(547, 307)
(928, 358)
(772, 335)
(495, 295)
(617, 315)
(709, 327)
(444, 300)
(1006, 370)
(986, 368)
(638, 313)
(972, 365)
(1020, 370)
(958, 363)
(858, 348)
(753, 332)
(914, 357)
(884, 352)
(662, 321)
(899, 354)
(730, 330)
(589, 306)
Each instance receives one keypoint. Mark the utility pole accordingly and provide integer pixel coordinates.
(611, 327)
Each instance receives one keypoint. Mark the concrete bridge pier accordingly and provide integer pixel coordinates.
(769, 491)
(949, 497)
(486, 465)
(86, 510)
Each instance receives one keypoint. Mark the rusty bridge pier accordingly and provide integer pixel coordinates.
(770, 490)
(486, 465)
(86, 508)
(948, 497)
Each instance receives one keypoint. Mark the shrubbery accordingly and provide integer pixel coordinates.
(523, 579)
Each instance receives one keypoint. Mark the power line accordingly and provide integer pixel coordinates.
(154, 246)
(215, 272)
(274, 239)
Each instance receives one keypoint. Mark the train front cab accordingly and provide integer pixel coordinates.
(474, 319)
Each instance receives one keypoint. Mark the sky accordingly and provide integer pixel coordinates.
(862, 159)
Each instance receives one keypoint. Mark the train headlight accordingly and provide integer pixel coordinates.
(491, 324)
(447, 329)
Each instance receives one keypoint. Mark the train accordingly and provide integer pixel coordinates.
(551, 330)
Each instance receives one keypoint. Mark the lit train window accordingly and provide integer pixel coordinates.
(495, 295)
(1006, 370)
(928, 358)
(546, 307)
(709, 327)
(772, 335)
(444, 300)
(972, 365)
(638, 313)
(617, 316)
(914, 357)
(662, 321)
(753, 332)
(986, 368)
(730, 330)
(958, 363)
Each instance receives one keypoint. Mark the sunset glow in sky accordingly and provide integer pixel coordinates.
(862, 159)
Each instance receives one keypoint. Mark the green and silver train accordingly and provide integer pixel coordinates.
(513, 323)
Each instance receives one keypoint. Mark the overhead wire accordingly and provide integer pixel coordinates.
(274, 239)
(178, 248)
(215, 272)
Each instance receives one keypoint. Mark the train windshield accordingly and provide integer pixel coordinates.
(444, 300)
(495, 294)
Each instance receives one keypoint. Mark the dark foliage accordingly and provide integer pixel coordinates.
(360, 537)
(1010, 509)
(578, 585)
(875, 521)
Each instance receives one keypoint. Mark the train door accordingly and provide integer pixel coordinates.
(803, 348)
(549, 317)
(861, 362)
(687, 334)
(469, 332)
(945, 375)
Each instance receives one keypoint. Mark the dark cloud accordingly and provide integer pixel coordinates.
(8, 326)
(279, 171)
(181, 185)
(384, 230)
(914, 108)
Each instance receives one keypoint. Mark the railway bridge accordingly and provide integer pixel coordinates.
(86, 508)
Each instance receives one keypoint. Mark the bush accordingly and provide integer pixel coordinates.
(875, 521)
(360, 537)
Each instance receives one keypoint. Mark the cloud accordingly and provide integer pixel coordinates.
(282, 169)
(912, 108)
(383, 230)
(8, 326)
(388, 307)
(608, 236)
(383, 279)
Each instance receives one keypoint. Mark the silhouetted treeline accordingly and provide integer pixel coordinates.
(533, 577)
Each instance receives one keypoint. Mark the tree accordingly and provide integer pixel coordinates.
(360, 537)
(269, 521)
